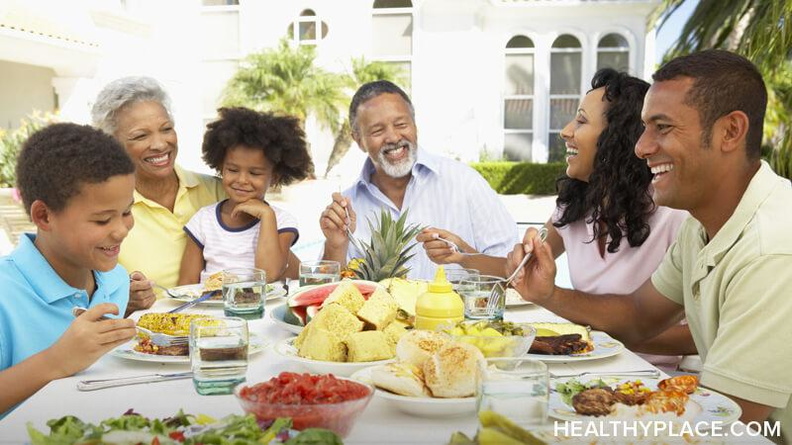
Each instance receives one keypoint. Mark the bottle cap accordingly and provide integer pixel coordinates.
(440, 283)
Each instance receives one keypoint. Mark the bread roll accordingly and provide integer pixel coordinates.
(452, 371)
(400, 378)
(416, 346)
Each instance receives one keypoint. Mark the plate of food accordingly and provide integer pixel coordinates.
(420, 403)
(190, 292)
(284, 318)
(569, 342)
(128, 351)
(287, 349)
(513, 299)
(674, 399)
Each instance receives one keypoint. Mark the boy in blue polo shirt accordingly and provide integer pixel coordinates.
(76, 184)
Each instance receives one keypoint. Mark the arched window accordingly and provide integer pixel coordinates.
(565, 75)
(613, 51)
(392, 33)
(305, 30)
(518, 99)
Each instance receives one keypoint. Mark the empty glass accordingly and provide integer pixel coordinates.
(244, 293)
(319, 272)
(516, 388)
(218, 354)
(477, 292)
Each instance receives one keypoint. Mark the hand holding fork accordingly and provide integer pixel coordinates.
(497, 294)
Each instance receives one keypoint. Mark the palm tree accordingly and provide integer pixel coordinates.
(362, 72)
(286, 80)
(760, 30)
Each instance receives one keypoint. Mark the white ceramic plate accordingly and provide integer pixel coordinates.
(190, 292)
(513, 299)
(604, 346)
(127, 351)
(421, 406)
(277, 315)
(345, 369)
(704, 406)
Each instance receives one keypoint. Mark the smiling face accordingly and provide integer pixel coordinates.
(580, 135)
(672, 145)
(386, 131)
(87, 233)
(149, 137)
(247, 174)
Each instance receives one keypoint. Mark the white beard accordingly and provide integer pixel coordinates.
(401, 168)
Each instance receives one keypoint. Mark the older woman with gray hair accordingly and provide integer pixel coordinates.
(136, 111)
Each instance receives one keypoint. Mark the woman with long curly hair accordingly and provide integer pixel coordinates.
(605, 220)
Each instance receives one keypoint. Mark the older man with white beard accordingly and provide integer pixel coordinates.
(447, 196)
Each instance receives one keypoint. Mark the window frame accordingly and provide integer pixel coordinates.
(532, 97)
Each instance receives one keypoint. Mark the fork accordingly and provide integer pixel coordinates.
(161, 339)
(495, 295)
(451, 244)
(168, 291)
(355, 242)
(651, 373)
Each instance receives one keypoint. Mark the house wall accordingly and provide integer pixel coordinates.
(24, 89)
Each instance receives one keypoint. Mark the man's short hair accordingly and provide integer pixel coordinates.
(722, 82)
(371, 90)
(56, 160)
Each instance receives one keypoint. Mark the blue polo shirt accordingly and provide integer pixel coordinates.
(36, 304)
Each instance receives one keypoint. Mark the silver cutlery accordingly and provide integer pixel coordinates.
(355, 242)
(164, 340)
(169, 292)
(206, 295)
(651, 373)
(91, 385)
(495, 296)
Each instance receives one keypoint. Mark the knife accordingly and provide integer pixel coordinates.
(205, 296)
(91, 385)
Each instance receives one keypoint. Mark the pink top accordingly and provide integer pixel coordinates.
(627, 269)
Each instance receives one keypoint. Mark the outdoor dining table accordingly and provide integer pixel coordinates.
(380, 423)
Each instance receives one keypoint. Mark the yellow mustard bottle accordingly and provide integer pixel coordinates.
(439, 305)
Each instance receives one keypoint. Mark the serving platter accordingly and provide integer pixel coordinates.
(704, 406)
(286, 349)
(604, 346)
(278, 314)
(420, 406)
(190, 292)
(127, 351)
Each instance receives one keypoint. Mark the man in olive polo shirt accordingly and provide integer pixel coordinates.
(729, 272)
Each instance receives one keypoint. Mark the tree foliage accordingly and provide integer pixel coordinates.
(760, 30)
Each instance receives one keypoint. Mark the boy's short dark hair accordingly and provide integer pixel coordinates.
(280, 138)
(722, 82)
(56, 160)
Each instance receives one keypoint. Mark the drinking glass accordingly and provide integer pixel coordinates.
(516, 388)
(455, 276)
(244, 293)
(476, 293)
(319, 272)
(218, 354)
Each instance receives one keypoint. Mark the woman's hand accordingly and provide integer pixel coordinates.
(334, 221)
(535, 282)
(439, 251)
(89, 337)
(141, 293)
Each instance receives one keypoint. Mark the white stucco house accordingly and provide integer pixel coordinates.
(494, 77)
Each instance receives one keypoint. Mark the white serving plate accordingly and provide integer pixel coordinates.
(604, 346)
(190, 292)
(277, 315)
(345, 369)
(421, 406)
(127, 351)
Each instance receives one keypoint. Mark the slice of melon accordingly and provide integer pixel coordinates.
(318, 294)
(296, 315)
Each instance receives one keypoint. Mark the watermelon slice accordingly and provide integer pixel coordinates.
(318, 294)
(300, 315)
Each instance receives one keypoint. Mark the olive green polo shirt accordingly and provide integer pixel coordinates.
(737, 293)
(156, 244)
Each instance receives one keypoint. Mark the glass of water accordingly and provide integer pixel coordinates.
(516, 388)
(476, 293)
(218, 354)
(319, 272)
(244, 293)
(455, 276)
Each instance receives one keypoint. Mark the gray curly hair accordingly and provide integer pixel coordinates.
(122, 92)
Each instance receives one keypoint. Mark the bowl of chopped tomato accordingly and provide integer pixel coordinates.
(311, 400)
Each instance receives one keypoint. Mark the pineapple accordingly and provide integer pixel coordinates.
(389, 249)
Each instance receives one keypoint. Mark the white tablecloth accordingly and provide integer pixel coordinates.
(380, 423)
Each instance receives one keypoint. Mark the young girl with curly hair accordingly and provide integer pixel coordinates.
(251, 151)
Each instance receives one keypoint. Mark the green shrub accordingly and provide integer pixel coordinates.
(513, 178)
(11, 142)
